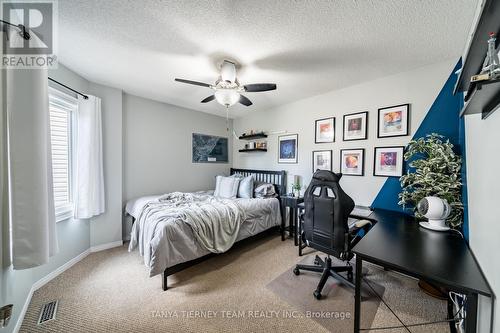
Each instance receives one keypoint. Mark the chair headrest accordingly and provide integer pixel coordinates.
(325, 175)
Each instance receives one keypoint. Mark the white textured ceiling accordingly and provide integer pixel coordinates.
(305, 47)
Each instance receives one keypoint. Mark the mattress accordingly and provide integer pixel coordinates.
(173, 242)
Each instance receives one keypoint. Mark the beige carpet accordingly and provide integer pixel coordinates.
(110, 291)
(334, 310)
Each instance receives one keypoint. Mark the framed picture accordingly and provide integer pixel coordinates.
(388, 161)
(352, 162)
(288, 145)
(322, 160)
(325, 130)
(356, 126)
(393, 121)
(209, 149)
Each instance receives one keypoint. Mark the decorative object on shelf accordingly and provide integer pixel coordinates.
(253, 136)
(261, 144)
(250, 145)
(393, 121)
(436, 210)
(209, 149)
(356, 126)
(352, 162)
(322, 160)
(436, 171)
(491, 64)
(288, 146)
(296, 187)
(324, 130)
(388, 161)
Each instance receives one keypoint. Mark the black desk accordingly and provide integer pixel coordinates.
(398, 243)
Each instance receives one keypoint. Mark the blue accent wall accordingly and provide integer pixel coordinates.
(442, 118)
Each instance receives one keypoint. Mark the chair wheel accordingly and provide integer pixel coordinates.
(317, 295)
(316, 261)
(296, 271)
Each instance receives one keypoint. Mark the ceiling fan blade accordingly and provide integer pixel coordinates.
(196, 83)
(208, 99)
(245, 101)
(256, 87)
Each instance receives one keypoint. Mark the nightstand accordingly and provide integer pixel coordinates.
(293, 204)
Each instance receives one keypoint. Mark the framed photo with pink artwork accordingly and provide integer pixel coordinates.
(388, 161)
(352, 162)
(356, 126)
(393, 121)
(324, 130)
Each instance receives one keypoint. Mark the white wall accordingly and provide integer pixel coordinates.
(418, 87)
(107, 228)
(157, 148)
(483, 186)
(157, 151)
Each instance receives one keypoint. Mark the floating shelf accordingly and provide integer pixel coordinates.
(253, 149)
(488, 22)
(254, 136)
(484, 99)
(482, 96)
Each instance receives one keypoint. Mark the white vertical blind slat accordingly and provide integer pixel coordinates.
(60, 128)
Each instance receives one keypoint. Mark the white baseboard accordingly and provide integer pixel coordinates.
(47, 278)
(43, 281)
(106, 246)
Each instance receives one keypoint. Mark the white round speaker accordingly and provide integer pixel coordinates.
(436, 210)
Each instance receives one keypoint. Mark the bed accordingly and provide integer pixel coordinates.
(170, 244)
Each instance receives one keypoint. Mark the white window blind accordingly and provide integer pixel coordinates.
(62, 109)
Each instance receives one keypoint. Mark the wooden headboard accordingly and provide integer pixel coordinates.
(277, 178)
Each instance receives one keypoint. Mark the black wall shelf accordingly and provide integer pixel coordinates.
(254, 136)
(484, 99)
(252, 150)
(482, 96)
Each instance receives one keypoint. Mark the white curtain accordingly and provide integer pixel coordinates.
(4, 217)
(31, 200)
(89, 190)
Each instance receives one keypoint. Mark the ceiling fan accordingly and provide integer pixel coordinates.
(228, 90)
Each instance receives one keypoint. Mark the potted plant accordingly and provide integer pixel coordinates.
(435, 170)
(296, 189)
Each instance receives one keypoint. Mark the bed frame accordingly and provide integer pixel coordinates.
(278, 178)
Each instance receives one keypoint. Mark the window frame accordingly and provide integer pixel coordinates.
(64, 212)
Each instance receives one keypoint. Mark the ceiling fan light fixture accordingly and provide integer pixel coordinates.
(227, 97)
(228, 71)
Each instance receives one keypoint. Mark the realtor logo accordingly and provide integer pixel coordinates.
(39, 21)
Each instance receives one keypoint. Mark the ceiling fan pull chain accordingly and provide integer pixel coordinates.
(227, 118)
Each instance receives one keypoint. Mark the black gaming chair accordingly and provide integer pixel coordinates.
(325, 228)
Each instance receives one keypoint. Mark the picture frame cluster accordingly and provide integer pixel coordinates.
(388, 161)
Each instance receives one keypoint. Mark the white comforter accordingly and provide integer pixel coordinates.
(165, 238)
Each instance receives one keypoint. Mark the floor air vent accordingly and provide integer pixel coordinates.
(48, 312)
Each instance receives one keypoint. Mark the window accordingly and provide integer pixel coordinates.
(62, 108)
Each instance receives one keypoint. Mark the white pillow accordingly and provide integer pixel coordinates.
(226, 187)
(245, 189)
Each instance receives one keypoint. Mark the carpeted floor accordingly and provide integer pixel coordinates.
(110, 291)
